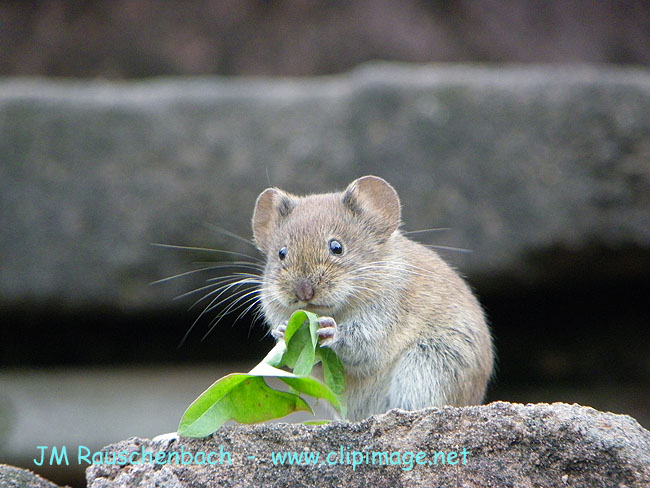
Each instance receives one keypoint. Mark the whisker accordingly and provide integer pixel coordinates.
(238, 273)
(211, 285)
(253, 301)
(233, 289)
(221, 290)
(239, 294)
(399, 266)
(233, 264)
(205, 310)
(370, 290)
(205, 249)
(230, 234)
(231, 307)
(435, 229)
(180, 344)
(186, 273)
(447, 248)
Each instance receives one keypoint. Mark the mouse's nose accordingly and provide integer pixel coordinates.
(304, 291)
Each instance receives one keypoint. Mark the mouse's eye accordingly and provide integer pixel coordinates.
(336, 247)
(282, 253)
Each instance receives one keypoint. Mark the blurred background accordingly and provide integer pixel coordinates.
(140, 39)
(521, 127)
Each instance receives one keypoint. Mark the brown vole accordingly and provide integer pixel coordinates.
(407, 328)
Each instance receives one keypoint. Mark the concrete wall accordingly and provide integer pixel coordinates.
(541, 171)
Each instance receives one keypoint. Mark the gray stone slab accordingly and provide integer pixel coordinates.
(500, 444)
(13, 477)
(523, 163)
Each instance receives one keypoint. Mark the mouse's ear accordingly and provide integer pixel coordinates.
(271, 205)
(375, 199)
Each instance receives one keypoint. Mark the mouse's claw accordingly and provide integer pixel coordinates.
(278, 332)
(327, 329)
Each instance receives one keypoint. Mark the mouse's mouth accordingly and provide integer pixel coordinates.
(317, 308)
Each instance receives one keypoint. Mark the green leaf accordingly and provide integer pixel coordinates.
(244, 398)
(312, 387)
(333, 373)
(296, 338)
(301, 342)
(275, 355)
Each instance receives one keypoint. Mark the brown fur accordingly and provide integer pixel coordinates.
(408, 329)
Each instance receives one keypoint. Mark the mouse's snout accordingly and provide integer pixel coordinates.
(304, 290)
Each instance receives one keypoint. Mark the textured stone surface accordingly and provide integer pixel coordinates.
(536, 445)
(542, 172)
(12, 477)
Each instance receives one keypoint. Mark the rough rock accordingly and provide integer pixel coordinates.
(541, 171)
(12, 477)
(536, 445)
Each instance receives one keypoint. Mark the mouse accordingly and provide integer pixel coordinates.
(407, 328)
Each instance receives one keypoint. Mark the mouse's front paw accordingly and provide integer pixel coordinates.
(278, 332)
(327, 330)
